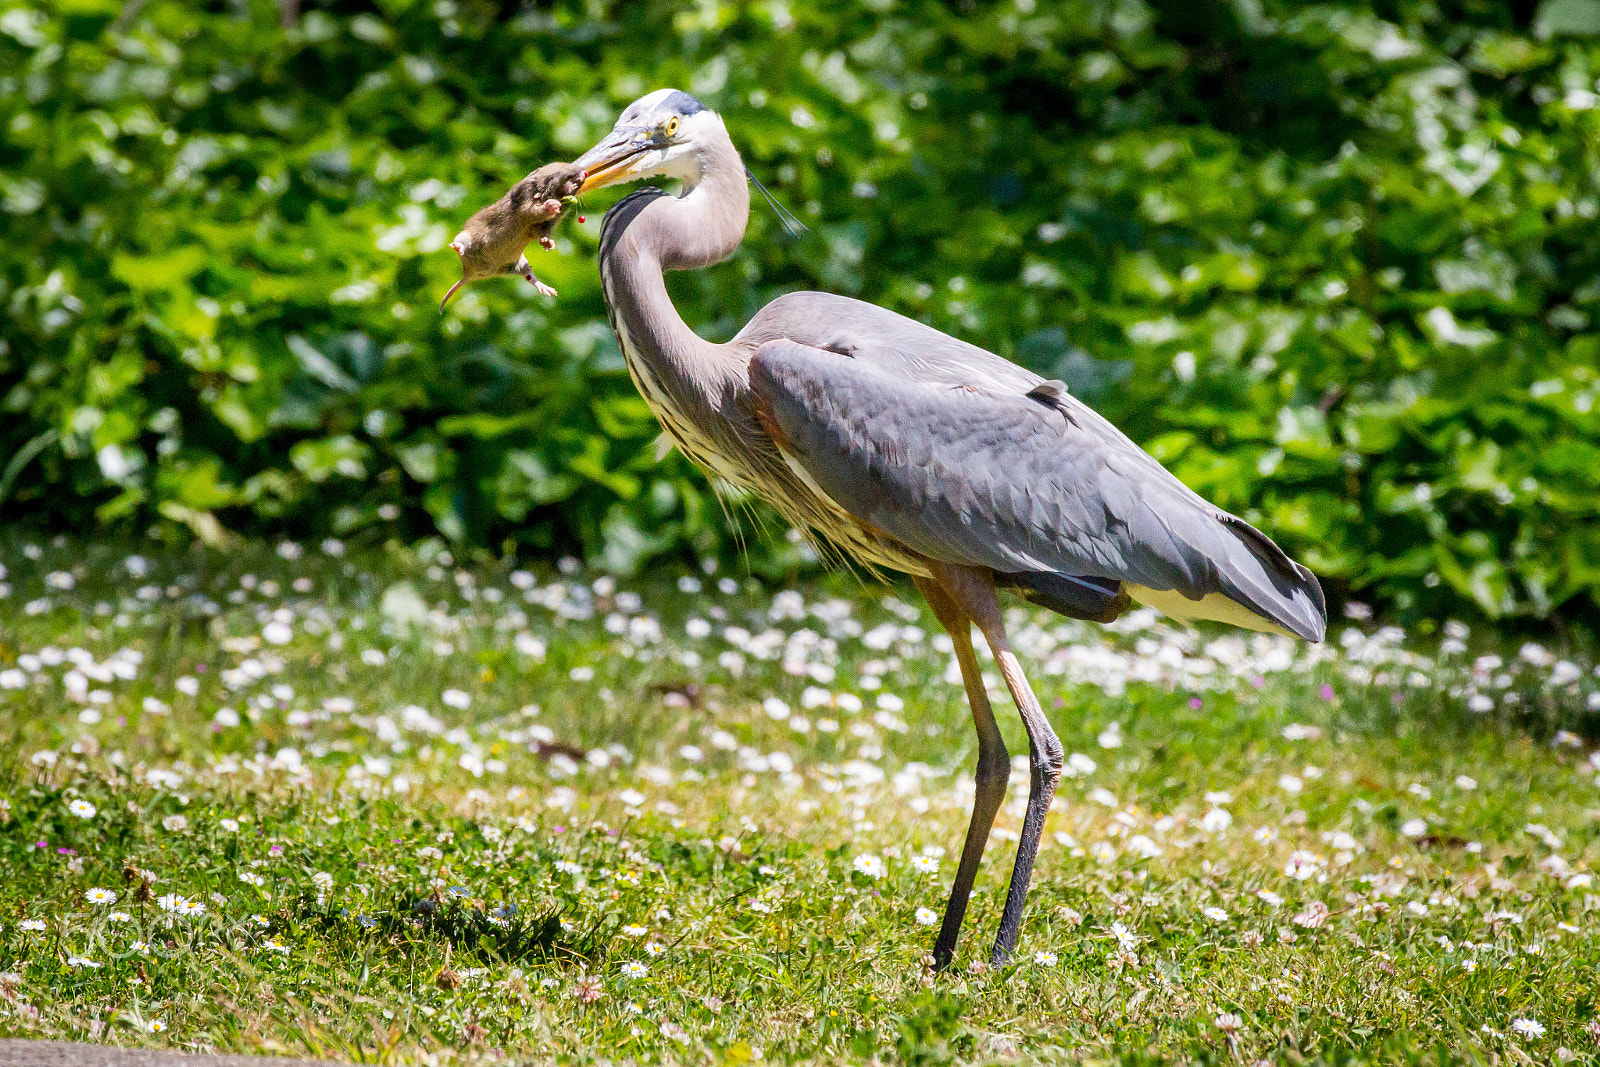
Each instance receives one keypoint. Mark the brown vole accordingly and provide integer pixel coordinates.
(493, 240)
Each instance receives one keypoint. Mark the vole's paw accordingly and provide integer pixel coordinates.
(542, 287)
(547, 210)
(547, 242)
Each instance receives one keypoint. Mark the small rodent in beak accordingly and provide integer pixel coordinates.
(493, 241)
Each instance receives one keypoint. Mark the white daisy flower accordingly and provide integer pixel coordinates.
(871, 866)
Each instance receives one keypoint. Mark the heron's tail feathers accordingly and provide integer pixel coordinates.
(1263, 577)
(1251, 583)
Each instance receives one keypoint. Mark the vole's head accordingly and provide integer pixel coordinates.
(552, 181)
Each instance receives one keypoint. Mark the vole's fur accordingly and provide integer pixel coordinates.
(493, 240)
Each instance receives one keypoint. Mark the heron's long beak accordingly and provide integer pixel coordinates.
(614, 159)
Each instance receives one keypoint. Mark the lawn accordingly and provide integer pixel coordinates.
(377, 806)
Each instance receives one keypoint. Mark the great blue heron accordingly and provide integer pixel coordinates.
(910, 450)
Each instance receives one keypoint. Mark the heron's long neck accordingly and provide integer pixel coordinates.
(642, 240)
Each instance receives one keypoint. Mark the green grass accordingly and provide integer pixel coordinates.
(590, 839)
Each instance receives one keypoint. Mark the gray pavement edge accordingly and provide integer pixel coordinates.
(18, 1053)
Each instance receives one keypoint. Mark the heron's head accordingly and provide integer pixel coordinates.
(664, 132)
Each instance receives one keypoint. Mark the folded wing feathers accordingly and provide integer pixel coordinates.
(1018, 484)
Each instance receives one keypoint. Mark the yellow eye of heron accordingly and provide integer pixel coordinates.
(672, 126)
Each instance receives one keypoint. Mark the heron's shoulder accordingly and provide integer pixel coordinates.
(893, 342)
(815, 313)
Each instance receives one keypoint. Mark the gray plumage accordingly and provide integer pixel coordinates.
(904, 448)
(1023, 484)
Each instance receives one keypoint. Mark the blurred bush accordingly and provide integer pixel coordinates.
(1336, 265)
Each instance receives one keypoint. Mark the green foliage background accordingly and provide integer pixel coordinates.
(1336, 264)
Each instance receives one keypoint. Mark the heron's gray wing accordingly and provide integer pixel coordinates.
(1026, 484)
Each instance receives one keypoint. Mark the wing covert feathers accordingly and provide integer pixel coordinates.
(1035, 486)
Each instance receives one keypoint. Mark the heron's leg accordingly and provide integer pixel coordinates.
(974, 593)
(1044, 748)
(993, 772)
